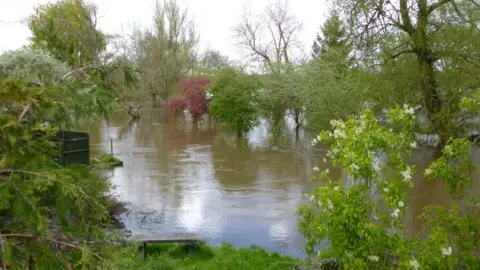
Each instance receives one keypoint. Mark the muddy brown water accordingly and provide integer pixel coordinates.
(181, 178)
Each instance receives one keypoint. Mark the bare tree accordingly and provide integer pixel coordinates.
(271, 37)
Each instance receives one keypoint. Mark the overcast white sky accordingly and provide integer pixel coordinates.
(214, 19)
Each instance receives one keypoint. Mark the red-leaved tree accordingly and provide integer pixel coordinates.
(194, 98)
(176, 106)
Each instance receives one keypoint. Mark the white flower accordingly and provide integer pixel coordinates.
(337, 188)
(319, 203)
(408, 109)
(324, 160)
(428, 171)
(311, 198)
(414, 264)
(314, 141)
(338, 133)
(373, 258)
(348, 253)
(375, 217)
(358, 130)
(400, 203)
(316, 169)
(386, 190)
(319, 138)
(354, 167)
(396, 213)
(327, 171)
(330, 205)
(447, 251)
(413, 144)
(329, 134)
(407, 175)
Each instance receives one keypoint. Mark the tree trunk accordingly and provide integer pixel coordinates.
(134, 112)
(427, 82)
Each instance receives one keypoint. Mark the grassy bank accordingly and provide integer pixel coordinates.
(225, 256)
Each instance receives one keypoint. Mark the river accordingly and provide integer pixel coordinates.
(179, 178)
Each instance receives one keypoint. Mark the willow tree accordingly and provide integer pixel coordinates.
(436, 38)
(68, 30)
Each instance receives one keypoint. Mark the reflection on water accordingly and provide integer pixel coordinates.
(178, 177)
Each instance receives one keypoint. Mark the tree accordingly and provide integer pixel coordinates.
(167, 50)
(68, 30)
(82, 94)
(275, 54)
(280, 28)
(50, 215)
(210, 62)
(438, 36)
(233, 100)
(130, 52)
(333, 37)
(193, 99)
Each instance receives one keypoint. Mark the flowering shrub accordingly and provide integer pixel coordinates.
(359, 234)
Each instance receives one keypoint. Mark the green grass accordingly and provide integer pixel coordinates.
(175, 256)
(105, 158)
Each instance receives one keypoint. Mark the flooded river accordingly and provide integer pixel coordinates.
(179, 178)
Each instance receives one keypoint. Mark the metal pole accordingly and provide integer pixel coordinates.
(111, 146)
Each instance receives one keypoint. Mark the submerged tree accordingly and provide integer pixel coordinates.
(234, 100)
(167, 52)
(193, 99)
(271, 42)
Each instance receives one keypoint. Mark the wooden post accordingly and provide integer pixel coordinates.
(144, 250)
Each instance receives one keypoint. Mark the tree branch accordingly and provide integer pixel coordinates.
(26, 172)
(407, 23)
(35, 237)
(440, 3)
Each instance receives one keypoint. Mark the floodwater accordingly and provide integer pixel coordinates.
(181, 178)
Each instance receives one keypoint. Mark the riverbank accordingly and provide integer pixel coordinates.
(225, 256)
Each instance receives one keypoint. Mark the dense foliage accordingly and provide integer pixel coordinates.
(234, 100)
(45, 210)
(367, 233)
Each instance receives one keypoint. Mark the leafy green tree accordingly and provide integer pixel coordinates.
(233, 100)
(436, 39)
(165, 55)
(68, 30)
(333, 37)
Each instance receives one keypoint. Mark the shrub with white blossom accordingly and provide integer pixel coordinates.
(363, 233)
